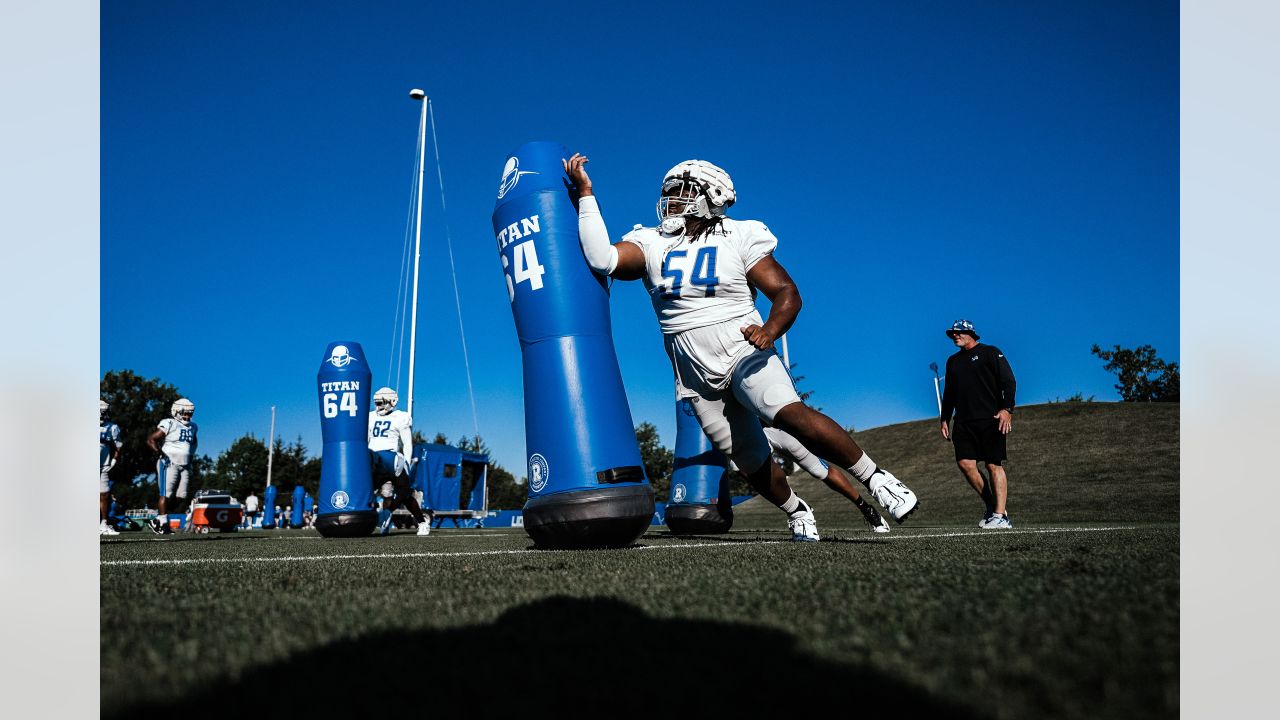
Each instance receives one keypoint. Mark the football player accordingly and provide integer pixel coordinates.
(699, 267)
(173, 469)
(109, 437)
(391, 445)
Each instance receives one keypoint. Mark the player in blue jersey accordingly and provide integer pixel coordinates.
(177, 455)
(391, 445)
(109, 438)
(699, 267)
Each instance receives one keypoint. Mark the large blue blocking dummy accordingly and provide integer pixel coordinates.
(587, 486)
(345, 505)
(699, 502)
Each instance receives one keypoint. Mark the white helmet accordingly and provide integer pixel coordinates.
(385, 400)
(103, 407)
(183, 409)
(694, 187)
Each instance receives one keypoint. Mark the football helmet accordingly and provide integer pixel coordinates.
(694, 187)
(103, 407)
(183, 409)
(385, 400)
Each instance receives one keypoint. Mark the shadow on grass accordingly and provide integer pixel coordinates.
(563, 656)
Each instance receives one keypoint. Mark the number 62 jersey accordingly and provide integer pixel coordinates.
(696, 283)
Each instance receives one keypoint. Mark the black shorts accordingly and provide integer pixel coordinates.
(979, 440)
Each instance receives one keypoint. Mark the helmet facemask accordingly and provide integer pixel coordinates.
(184, 410)
(385, 400)
(694, 188)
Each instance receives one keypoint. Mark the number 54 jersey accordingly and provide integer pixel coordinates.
(696, 283)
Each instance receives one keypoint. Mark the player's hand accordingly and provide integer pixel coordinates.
(946, 430)
(1006, 421)
(759, 336)
(575, 168)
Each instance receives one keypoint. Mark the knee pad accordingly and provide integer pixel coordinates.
(761, 383)
(743, 441)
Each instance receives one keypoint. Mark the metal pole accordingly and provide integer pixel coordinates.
(271, 440)
(938, 394)
(417, 243)
(786, 356)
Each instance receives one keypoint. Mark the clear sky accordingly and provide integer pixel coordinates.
(1015, 164)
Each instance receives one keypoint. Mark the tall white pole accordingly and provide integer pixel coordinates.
(786, 356)
(271, 441)
(417, 243)
(937, 393)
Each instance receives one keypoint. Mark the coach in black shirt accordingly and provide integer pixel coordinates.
(979, 391)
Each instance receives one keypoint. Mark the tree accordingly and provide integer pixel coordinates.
(137, 406)
(505, 493)
(659, 462)
(242, 467)
(1143, 376)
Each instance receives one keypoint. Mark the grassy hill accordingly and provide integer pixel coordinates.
(1068, 462)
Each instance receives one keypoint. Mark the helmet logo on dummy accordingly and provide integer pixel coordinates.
(341, 356)
(677, 495)
(511, 174)
(539, 471)
(339, 500)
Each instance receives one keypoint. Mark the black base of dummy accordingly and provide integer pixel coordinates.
(590, 518)
(347, 524)
(699, 519)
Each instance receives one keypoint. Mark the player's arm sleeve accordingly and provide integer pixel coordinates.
(406, 438)
(948, 395)
(1004, 376)
(755, 243)
(601, 255)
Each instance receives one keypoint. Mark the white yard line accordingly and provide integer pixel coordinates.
(1005, 533)
(680, 546)
(377, 556)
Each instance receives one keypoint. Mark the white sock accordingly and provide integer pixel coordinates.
(863, 469)
(794, 505)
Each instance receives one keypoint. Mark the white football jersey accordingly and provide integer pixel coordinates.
(694, 284)
(109, 437)
(179, 440)
(393, 431)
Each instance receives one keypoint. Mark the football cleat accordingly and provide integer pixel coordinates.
(105, 529)
(873, 518)
(384, 522)
(424, 528)
(156, 526)
(986, 519)
(892, 494)
(804, 528)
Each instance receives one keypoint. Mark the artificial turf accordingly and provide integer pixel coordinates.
(1049, 621)
(1074, 614)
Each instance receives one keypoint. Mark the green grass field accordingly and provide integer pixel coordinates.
(1074, 614)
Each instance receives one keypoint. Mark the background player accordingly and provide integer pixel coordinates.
(699, 267)
(980, 390)
(109, 437)
(391, 445)
(173, 469)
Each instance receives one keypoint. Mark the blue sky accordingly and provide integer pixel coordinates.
(1012, 163)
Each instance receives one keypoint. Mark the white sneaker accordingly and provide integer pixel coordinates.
(804, 528)
(892, 494)
(105, 529)
(424, 528)
(1000, 522)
